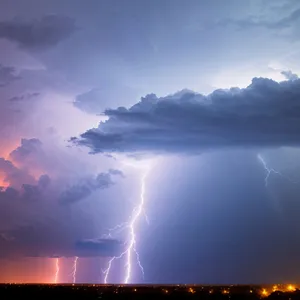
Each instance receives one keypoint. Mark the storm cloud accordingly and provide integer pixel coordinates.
(64, 65)
(265, 114)
(33, 221)
(37, 34)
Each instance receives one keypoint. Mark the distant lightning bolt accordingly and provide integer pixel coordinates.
(269, 171)
(57, 270)
(131, 245)
(74, 269)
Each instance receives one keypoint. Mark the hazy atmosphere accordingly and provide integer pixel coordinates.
(149, 141)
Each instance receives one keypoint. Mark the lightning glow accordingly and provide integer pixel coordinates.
(74, 269)
(131, 225)
(269, 171)
(57, 270)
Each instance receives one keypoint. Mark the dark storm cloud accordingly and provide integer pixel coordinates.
(34, 225)
(38, 34)
(7, 75)
(289, 75)
(265, 114)
(86, 186)
(32, 220)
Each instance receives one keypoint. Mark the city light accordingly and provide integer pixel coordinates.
(264, 293)
(275, 288)
(291, 288)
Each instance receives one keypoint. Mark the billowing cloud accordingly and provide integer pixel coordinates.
(33, 222)
(7, 75)
(265, 114)
(37, 34)
(26, 186)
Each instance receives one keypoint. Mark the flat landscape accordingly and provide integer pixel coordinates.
(95, 291)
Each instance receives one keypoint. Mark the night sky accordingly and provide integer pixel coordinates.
(164, 131)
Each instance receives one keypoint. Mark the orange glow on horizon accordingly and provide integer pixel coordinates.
(27, 270)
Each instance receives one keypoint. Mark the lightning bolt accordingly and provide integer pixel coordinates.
(269, 171)
(74, 269)
(130, 250)
(136, 214)
(57, 270)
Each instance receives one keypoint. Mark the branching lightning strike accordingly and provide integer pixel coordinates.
(131, 245)
(269, 171)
